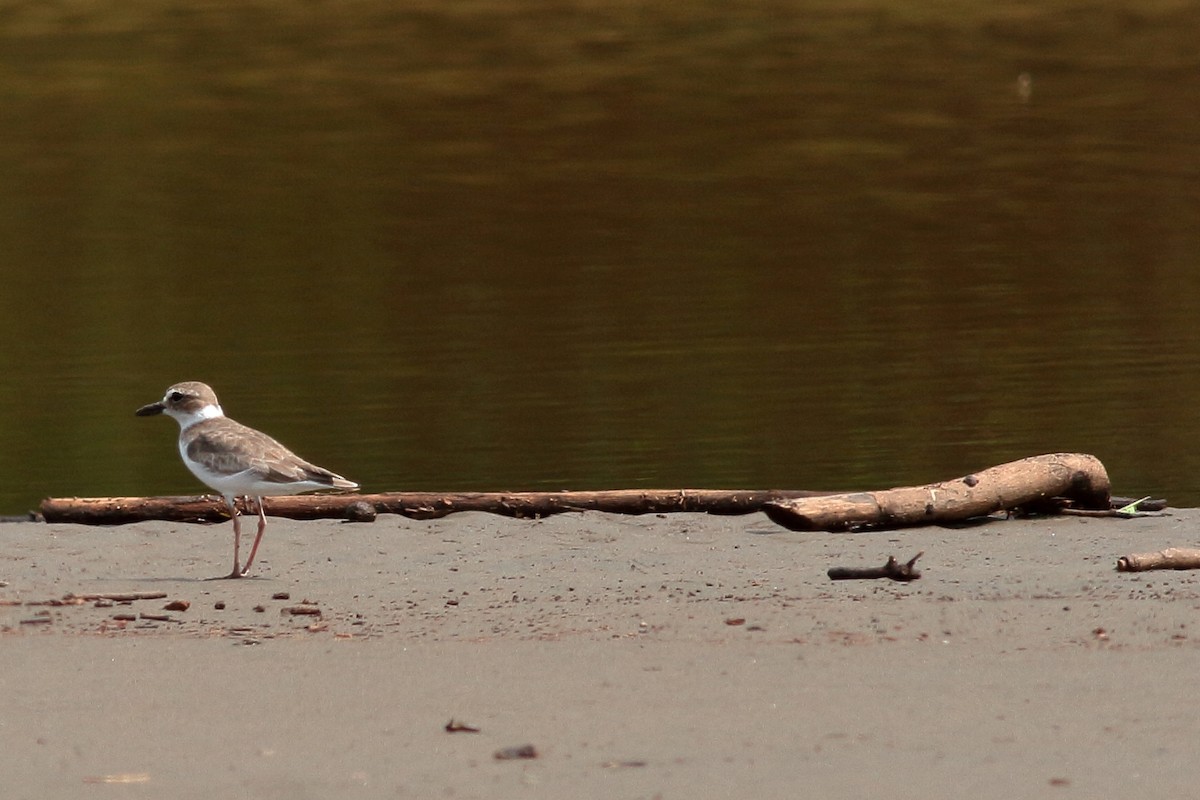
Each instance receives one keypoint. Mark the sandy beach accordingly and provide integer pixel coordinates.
(679, 656)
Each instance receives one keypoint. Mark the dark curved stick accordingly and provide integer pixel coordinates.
(892, 569)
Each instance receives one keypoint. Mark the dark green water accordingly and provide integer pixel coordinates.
(583, 245)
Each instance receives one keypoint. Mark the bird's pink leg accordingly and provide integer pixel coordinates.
(262, 526)
(237, 539)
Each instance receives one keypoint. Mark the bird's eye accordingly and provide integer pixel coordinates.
(175, 397)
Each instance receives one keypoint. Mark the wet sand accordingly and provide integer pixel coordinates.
(680, 656)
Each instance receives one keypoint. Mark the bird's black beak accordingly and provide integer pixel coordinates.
(150, 410)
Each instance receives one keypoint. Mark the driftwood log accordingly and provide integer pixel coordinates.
(1171, 558)
(1042, 483)
(1033, 483)
(416, 505)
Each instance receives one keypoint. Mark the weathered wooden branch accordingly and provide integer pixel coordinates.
(893, 569)
(1030, 483)
(1041, 483)
(417, 505)
(1171, 558)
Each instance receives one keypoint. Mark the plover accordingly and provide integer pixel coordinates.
(236, 460)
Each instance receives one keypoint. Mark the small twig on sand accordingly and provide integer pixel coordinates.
(1123, 508)
(118, 597)
(892, 569)
(523, 751)
(1171, 558)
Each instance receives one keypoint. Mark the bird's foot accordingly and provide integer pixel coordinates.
(237, 573)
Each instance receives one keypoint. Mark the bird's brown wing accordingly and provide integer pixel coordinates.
(233, 447)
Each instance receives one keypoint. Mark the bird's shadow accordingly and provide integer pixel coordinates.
(189, 579)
